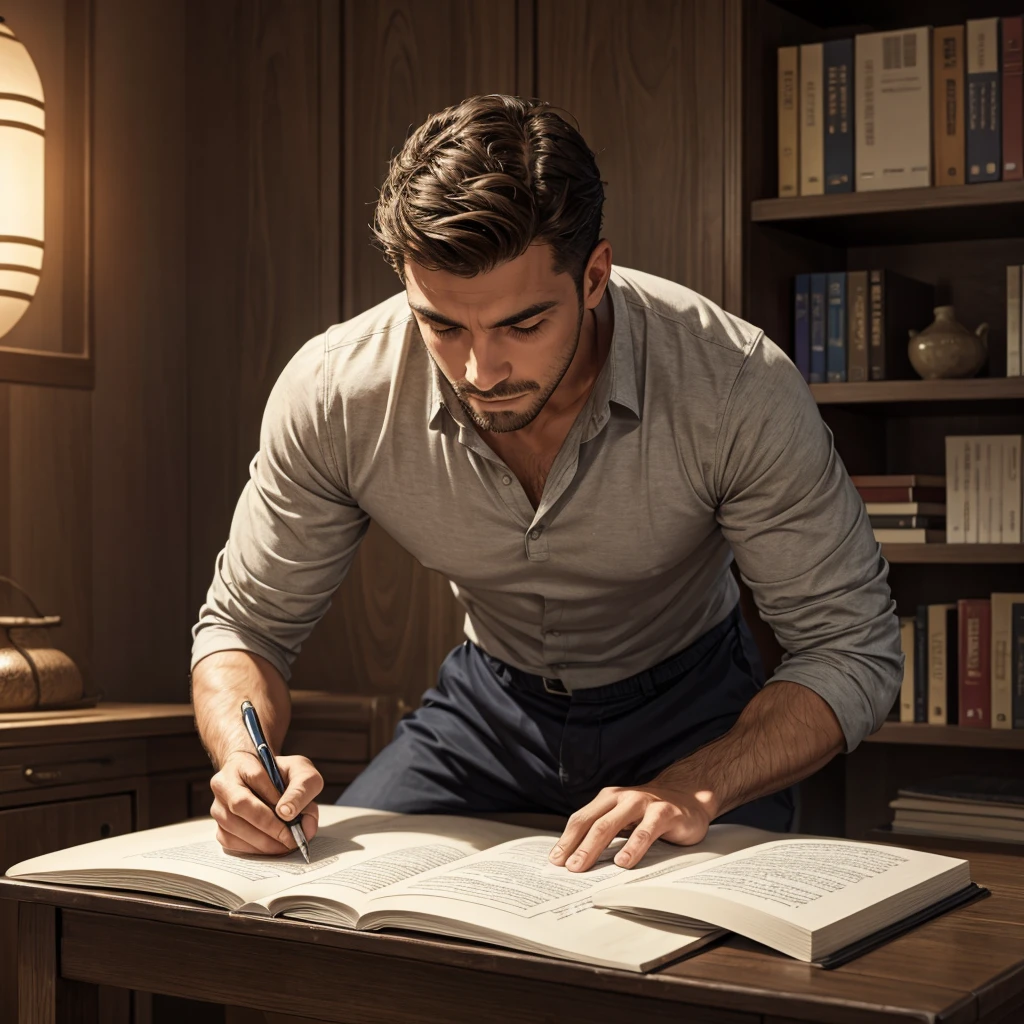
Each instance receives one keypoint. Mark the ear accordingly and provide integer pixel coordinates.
(596, 274)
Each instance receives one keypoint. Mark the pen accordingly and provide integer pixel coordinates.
(255, 731)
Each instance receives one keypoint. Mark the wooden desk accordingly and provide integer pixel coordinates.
(966, 966)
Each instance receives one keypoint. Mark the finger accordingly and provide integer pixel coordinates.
(603, 831)
(234, 790)
(303, 784)
(654, 824)
(234, 833)
(579, 824)
(310, 820)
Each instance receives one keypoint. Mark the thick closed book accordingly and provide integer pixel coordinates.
(1012, 99)
(835, 342)
(789, 121)
(896, 305)
(943, 664)
(858, 365)
(1014, 320)
(907, 686)
(1000, 661)
(898, 480)
(909, 536)
(921, 665)
(905, 508)
(957, 503)
(1012, 445)
(812, 119)
(984, 120)
(838, 62)
(975, 647)
(802, 325)
(892, 89)
(908, 522)
(948, 127)
(806, 897)
(819, 289)
(1017, 663)
(873, 494)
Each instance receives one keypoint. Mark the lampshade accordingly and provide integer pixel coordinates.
(22, 123)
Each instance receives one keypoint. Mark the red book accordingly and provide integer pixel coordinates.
(1013, 99)
(975, 624)
(902, 493)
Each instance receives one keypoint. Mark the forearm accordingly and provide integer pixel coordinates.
(220, 682)
(784, 734)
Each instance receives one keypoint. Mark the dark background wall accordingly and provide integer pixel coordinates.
(237, 149)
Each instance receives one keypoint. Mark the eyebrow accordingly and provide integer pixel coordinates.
(524, 314)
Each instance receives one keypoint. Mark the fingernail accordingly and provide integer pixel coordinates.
(285, 810)
(622, 859)
(555, 853)
(574, 861)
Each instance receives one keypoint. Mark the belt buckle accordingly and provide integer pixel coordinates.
(555, 686)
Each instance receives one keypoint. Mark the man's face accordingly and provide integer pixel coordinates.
(503, 339)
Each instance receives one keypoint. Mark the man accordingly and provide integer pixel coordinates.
(582, 451)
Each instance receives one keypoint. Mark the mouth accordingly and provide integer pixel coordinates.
(498, 402)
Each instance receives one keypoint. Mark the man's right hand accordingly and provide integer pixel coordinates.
(250, 815)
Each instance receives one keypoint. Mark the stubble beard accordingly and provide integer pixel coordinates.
(505, 421)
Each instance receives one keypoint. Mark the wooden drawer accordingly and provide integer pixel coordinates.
(24, 769)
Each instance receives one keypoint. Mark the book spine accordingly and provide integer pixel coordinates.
(858, 367)
(789, 121)
(998, 477)
(1012, 100)
(818, 327)
(835, 349)
(983, 450)
(921, 665)
(984, 123)
(1017, 663)
(1014, 293)
(952, 667)
(975, 649)
(938, 648)
(876, 298)
(972, 479)
(801, 325)
(812, 133)
(1002, 675)
(948, 104)
(907, 688)
(837, 57)
(954, 490)
(907, 522)
(935, 494)
(1011, 489)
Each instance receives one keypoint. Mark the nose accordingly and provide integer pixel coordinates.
(485, 366)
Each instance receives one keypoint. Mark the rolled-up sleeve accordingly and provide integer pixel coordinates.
(804, 546)
(294, 532)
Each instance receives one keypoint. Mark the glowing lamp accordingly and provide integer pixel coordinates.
(22, 124)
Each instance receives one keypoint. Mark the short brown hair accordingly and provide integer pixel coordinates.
(477, 183)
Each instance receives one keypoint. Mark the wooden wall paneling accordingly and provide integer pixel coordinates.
(257, 237)
(393, 621)
(139, 476)
(646, 82)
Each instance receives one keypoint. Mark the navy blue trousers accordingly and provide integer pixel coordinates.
(489, 738)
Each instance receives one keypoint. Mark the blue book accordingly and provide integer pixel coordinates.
(984, 117)
(801, 325)
(818, 282)
(835, 344)
(838, 65)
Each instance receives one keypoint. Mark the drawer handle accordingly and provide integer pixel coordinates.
(46, 775)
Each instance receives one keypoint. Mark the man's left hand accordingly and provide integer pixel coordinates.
(678, 816)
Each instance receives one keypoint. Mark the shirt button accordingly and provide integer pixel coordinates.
(535, 534)
(506, 479)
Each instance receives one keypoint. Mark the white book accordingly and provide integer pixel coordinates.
(954, 490)
(904, 508)
(1001, 663)
(907, 689)
(812, 120)
(938, 648)
(988, 470)
(1014, 292)
(908, 535)
(789, 120)
(1012, 445)
(893, 105)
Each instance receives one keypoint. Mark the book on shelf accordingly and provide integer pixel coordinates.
(812, 119)
(943, 664)
(905, 508)
(975, 645)
(818, 327)
(802, 324)
(897, 304)
(907, 686)
(898, 480)
(789, 121)
(837, 58)
(835, 341)
(948, 104)
(962, 807)
(983, 488)
(903, 535)
(1000, 658)
(908, 522)
(921, 665)
(984, 121)
(1014, 320)
(1012, 99)
(1017, 662)
(489, 882)
(859, 363)
(892, 88)
(898, 493)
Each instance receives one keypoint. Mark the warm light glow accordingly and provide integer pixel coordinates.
(22, 120)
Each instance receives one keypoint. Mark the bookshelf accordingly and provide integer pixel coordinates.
(957, 238)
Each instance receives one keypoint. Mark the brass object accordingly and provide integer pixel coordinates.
(945, 348)
(35, 677)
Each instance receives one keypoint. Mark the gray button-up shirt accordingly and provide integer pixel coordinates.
(699, 443)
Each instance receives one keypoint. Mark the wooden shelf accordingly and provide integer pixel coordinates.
(948, 736)
(954, 554)
(985, 389)
(949, 213)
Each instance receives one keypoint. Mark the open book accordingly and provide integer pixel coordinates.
(461, 877)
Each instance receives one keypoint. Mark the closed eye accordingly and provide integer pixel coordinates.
(523, 331)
